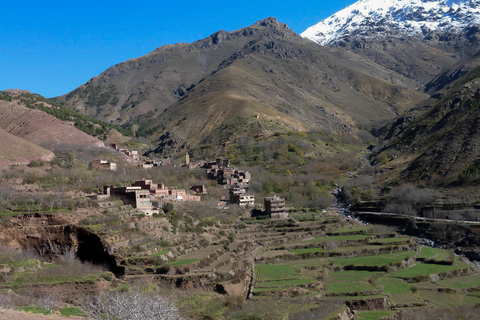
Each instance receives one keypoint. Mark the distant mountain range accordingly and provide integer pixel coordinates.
(437, 141)
(367, 64)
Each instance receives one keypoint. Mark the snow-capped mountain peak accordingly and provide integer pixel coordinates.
(411, 17)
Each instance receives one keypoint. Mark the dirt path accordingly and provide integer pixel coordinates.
(7, 314)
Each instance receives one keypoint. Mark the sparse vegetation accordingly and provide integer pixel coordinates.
(317, 263)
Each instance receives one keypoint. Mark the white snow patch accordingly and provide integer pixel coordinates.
(410, 17)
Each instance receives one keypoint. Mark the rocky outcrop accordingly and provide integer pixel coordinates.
(369, 304)
(50, 237)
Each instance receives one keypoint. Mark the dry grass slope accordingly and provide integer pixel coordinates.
(15, 150)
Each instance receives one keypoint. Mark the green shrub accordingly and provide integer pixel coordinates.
(34, 164)
(167, 207)
(108, 276)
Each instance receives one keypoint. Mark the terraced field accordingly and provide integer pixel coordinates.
(324, 259)
(366, 269)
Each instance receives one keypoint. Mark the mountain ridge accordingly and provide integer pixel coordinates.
(261, 80)
(439, 141)
(265, 70)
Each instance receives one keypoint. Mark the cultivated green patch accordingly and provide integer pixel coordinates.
(374, 315)
(377, 260)
(183, 262)
(339, 238)
(425, 269)
(461, 282)
(72, 312)
(284, 283)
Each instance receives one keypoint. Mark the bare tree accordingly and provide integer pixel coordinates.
(49, 301)
(131, 305)
(45, 297)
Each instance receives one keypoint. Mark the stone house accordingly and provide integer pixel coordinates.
(275, 207)
(160, 190)
(135, 196)
(241, 197)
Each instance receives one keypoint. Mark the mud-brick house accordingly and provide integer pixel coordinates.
(103, 165)
(241, 197)
(160, 190)
(131, 153)
(240, 179)
(157, 189)
(135, 196)
(275, 207)
(199, 189)
(223, 162)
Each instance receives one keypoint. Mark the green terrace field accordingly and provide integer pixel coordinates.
(160, 253)
(425, 269)
(390, 240)
(428, 253)
(377, 260)
(374, 315)
(308, 250)
(467, 282)
(32, 272)
(391, 285)
(350, 230)
(339, 238)
(358, 264)
(355, 282)
(183, 262)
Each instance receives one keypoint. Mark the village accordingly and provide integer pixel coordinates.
(149, 196)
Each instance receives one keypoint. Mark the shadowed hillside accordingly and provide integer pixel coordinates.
(441, 143)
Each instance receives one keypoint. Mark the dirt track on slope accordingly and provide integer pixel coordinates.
(7, 314)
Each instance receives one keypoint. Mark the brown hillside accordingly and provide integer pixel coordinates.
(150, 84)
(41, 128)
(282, 82)
(157, 80)
(15, 150)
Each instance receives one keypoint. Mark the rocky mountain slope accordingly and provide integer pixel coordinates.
(154, 82)
(415, 38)
(204, 92)
(281, 82)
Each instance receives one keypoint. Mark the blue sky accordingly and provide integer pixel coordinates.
(52, 47)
